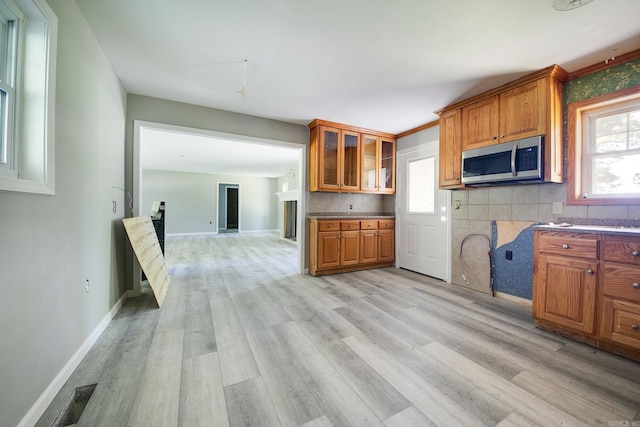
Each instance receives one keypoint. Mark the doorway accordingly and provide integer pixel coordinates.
(423, 214)
(228, 207)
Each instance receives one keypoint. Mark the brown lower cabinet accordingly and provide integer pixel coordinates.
(587, 286)
(341, 245)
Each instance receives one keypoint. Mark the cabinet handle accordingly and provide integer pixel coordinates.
(495, 137)
(565, 246)
(502, 136)
(634, 327)
(589, 271)
(636, 285)
(635, 253)
(329, 225)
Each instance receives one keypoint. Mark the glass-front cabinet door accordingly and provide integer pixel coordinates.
(350, 161)
(369, 167)
(329, 150)
(387, 166)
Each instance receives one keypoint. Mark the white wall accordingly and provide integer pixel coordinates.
(52, 244)
(191, 200)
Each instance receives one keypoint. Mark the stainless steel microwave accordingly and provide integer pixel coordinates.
(506, 163)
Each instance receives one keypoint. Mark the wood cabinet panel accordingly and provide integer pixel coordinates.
(344, 158)
(570, 245)
(622, 281)
(565, 292)
(368, 246)
(450, 154)
(622, 249)
(581, 279)
(480, 123)
(350, 244)
(529, 106)
(621, 322)
(522, 111)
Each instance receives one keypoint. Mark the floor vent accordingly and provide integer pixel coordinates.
(72, 409)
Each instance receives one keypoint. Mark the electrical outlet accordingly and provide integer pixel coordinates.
(114, 206)
(86, 286)
(556, 208)
(350, 207)
(508, 255)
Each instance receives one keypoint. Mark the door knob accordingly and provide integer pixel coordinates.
(636, 285)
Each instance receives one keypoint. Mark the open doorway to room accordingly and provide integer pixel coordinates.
(162, 151)
(228, 207)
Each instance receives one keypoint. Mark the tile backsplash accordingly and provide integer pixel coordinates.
(532, 203)
(340, 202)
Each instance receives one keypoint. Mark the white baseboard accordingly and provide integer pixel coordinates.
(45, 399)
(514, 299)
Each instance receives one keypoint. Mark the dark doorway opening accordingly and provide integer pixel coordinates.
(232, 209)
(290, 219)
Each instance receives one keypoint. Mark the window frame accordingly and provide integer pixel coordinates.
(34, 117)
(575, 143)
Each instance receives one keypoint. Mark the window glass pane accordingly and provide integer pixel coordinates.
(369, 162)
(611, 142)
(330, 158)
(350, 160)
(634, 140)
(422, 185)
(634, 120)
(616, 175)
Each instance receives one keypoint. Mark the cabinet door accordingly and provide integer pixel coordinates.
(565, 292)
(480, 123)
(387, 169)
(369, 165)
(522, 111)
(349, 161)
(621, 322)
(328, 159)
(386, 245)
(368, 246)
(328, 249)
(349, 248)
(450, 149)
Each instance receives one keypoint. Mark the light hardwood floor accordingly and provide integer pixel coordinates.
(243, 340)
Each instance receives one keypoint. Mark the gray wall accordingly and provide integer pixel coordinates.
(191, 200)
(52, 244)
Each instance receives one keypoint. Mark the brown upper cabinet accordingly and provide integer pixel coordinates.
(529, 106)
(348, 159)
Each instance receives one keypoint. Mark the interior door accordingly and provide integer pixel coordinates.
(422, 214)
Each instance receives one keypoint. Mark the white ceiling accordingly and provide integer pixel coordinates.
(184, 151)
(380, 64)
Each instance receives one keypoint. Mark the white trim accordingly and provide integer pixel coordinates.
(45, 399)
(207, 233)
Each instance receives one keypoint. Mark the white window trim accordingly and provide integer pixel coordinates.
(35, 119)
(576, 138)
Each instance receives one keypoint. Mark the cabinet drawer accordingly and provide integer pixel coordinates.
(622, 282)
(369, 224)
(621, 322)
(328, 225)
(386, 224)
(350, 225)
(622, 249)
(569, 244)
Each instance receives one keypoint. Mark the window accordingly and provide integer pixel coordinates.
(10, 17)
(604, 149)
(422, 185)
(28, 32)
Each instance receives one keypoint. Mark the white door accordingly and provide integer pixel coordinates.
(423, 228)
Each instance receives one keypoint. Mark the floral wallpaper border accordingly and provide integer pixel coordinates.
(612, 79)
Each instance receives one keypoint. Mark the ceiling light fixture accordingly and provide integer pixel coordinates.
(568, 4)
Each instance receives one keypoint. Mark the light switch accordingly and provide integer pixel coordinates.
(556, 208)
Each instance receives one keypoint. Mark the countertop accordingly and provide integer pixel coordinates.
(592, 229)
(355, 215)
